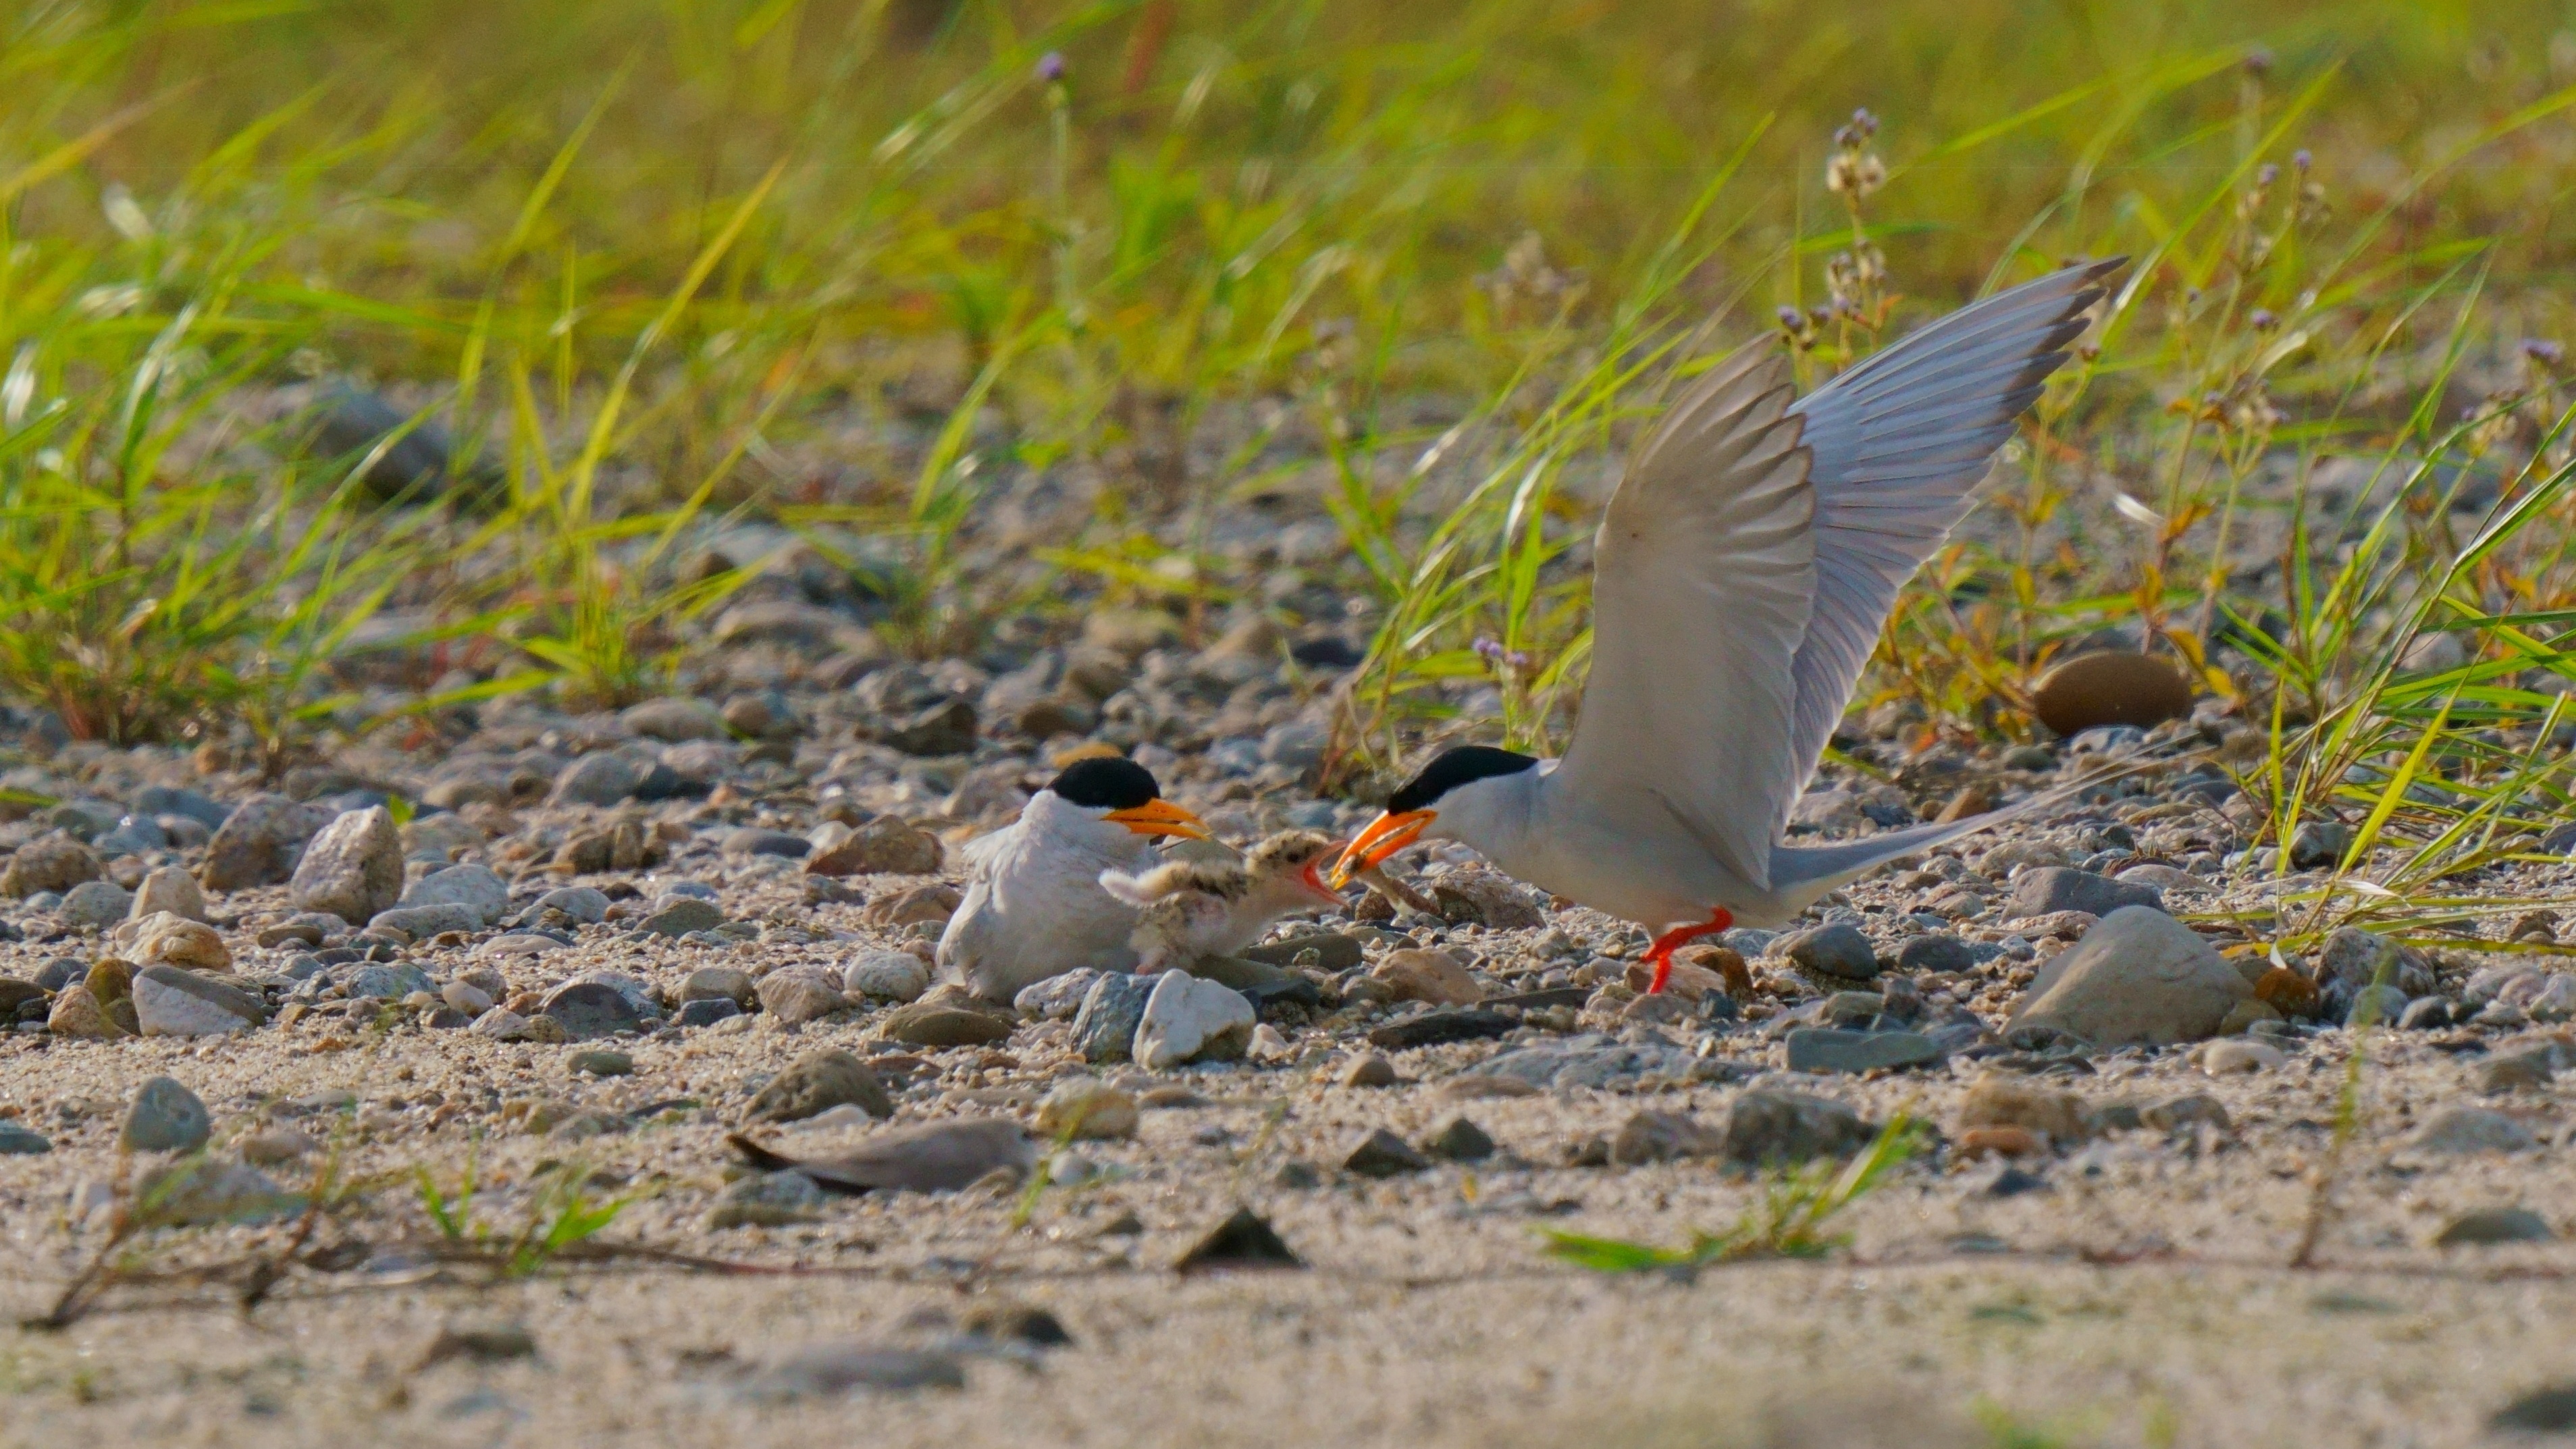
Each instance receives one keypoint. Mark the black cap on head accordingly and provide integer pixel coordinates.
(1452, 768)
(1106, 784)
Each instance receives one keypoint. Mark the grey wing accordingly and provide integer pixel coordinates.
(1702, 578)
(1898, 442)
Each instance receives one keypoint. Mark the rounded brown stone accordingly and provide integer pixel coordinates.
(2110, 687)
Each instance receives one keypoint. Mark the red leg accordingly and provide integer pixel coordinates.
(1661, 953)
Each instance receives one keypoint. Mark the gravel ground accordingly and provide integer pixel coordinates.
(2089, 1243)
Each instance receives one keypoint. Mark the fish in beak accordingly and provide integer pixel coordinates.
(1385, 835)
(1161, 817)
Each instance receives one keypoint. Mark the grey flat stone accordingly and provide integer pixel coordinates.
(1829, 1049)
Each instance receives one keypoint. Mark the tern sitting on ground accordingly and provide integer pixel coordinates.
(1743, 571)
(1034, 907)
(1195, 909)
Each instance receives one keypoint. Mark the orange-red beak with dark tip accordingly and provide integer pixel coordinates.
(1161, 817)
(1385, 835)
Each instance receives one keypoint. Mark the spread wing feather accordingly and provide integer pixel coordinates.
(1753, 551)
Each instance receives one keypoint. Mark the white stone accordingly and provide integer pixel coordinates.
(170, 889)
(1187, 1018)
(2225, 1058)
(162, 1009)
(886, 976)
(2555, 1002)
(2138, 976)
(466, 997)
(472, 886)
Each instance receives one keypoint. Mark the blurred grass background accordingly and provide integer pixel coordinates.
(1017, 309)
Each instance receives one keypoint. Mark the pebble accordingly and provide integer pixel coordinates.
(353, 869)
(1935, 953)
(420, 923)
(1831, 1049)
(900, 976)
(680, 917)
(754, 841)
(2110, 687)
(1087, 1109)
(2183, 1113)
(1650, 1136)
(256, 844)
(799, 994)
(503, 1024)
(583, 904)
(78, 1014)
(886, 845)
(386, 981)
(2462, 1130)
(50, 862)
(604, 778)
(172, 1002)
(767, 1200)
(167, 938)
(202, 1191)
(708, 983)
(1104, 1030)
(2051, 889)
(1244, 1240)
(472, 886)
(2139, 976)
(18, 1141)
(676, 719)
(589, 1010)
(1431, 976)
(95, 905)
(466, 997)
(707, 1011)
(936, 1024)
(1370, 1070)
(832, 1370)
(2318, 844)
(2237, 1056)
(1838, 951)
(942, 1156)
(601, 1064)
(165, 1117)
(1383, 1154)
(2481, 1227)
(1433, 1028)
(1187, 1019)
(1460, 1140)
(1994, 1100)
(1767, 1126)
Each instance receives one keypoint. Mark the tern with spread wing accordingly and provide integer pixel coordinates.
(1743, 571)
(1034, 906)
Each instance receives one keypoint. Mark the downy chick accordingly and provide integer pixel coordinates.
(1196, 909)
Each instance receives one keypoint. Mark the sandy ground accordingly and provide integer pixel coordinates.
(1427, 1313)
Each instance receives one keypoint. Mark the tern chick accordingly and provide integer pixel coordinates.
(1195, 909)
(1034, 906)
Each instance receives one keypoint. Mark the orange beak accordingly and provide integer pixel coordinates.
(1312, 879)
(1385, 835)
(1161, 817)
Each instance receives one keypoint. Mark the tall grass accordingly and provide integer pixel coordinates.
(875, 269)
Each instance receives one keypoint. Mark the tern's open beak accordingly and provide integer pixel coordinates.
(1161, 817)
(1386, 835)
(1312, 879)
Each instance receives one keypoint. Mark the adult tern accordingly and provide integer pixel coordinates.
(1744, 568)
(1034, 906)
